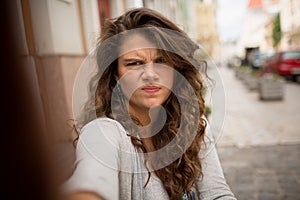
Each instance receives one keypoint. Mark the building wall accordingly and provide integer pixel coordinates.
(206, 28)
(64, 32)
(257, 30)
(91, 23)
(271, 9)
(117, 7)
(253, 32)
(290, 24)
(266, 45)
(56, 27)
(170, 9)
(56, 75)
(129, 4)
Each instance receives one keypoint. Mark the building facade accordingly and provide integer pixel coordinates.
(256, 35)
(290, 24)
(58, 35)
(205, 27)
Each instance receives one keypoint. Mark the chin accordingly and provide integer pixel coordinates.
(151, 104)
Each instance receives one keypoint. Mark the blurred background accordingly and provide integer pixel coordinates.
(252, 45)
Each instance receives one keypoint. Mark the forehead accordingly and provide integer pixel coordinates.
(146, 54)
(135, 43)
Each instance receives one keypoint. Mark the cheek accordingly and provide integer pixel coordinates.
(129, 82)
(124, 79)
(167, 78)
(121, 71)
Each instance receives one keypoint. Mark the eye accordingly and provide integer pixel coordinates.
(160, 60)
(135, 63)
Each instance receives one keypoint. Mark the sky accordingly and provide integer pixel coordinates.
(230, 15)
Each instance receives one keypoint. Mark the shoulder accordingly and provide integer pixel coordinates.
(103, 124)
(103, 127)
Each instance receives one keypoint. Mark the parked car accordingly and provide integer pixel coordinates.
(259, 60)
(285, 63)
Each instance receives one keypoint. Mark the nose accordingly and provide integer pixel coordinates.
(149, 74)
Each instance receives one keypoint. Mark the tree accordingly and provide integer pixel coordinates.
(276, 31)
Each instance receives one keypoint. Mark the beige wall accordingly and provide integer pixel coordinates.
(56, 27)
(117, 7)
(56, 76)
(90, 23)
(206, 29)
(266, 45)
(168, 8)
(64, 32)
(290, 24)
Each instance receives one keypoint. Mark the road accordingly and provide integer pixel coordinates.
(258, 141)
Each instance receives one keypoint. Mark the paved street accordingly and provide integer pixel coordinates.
(258, 141)
(262, 173)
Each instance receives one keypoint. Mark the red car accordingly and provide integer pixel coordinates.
(285, 63)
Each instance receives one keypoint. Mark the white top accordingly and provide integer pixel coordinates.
(109, 165)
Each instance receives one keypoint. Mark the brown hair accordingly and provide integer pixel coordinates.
(180, 176)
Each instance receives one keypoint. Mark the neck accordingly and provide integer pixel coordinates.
(141, 116)
(145, 116)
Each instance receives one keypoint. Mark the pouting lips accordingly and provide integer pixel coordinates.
(151, 89)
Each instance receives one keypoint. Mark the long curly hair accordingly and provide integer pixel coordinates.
(180, 176)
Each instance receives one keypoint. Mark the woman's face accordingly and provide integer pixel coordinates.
(146, 78)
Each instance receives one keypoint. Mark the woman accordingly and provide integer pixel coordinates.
(144, 133)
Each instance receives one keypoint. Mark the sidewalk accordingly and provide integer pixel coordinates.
(262, 173)
(259, 141)
(251, 122)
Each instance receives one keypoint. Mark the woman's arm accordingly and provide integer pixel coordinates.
(97, 164)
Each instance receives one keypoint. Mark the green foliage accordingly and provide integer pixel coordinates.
(207, 110)
(276, 31)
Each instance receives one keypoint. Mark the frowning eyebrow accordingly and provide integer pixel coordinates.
(127, 61)
(140, 57)
(134, 59)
